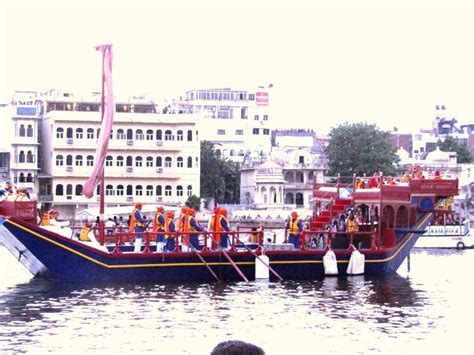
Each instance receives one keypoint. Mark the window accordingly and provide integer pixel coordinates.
(168, 162)
(266, 131)
(255, 131)
(139, 190)
(59, 190)
(120, 190)
(21, 178)
(29, 178)
(190, 190)
(119, 161)
(159, 162)
(121, 134)
(256, 117)
(69, 133)
(78, 160)
(21, 157)
(69, 160)
(149, 162)
(221, 132)
(59, 133)
(90, 160)
(239, 132)
(168, 135)
(109, 190)
(29, 157)
(129, 190)
(149, 190)
(69, 190)
(301, 159)
(59, 160)
(138, 162)
(129, 161)
(22, 131)
(179, 135)
(190, 136)
(139, 135)
(29, 131)
(251, 97)
(149, 135)
(129, 135)
(159, 190)
(90, 133)
(168, 190)
(179, 190)
(159, 135)
(190, 162)
(79, 133)
(179, 162)
(109, 161)
(265, 117)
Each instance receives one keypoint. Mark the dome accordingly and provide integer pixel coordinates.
(403, 154)
(438, 155)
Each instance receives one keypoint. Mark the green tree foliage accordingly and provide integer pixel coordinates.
(360, 148)
(194, 202)
(452, 145)
(220, 178)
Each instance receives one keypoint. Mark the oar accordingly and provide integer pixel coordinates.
(229, 258)
(207, 265)
(258, 257)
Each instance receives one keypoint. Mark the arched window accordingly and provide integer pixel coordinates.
(78, 160)
(190, 162)
(69, 133)
(98, 133)
(59, 190)
(179, 135)
(159, 190)
(120, 190)
(29, 157)
(129, 190)
(59, 133)
(159, 162)
(159, 135)
(190, 135)
(29, 131)
(22, 131)
(179, 162)
(149, 162)
(21, 157)
(139, 190)
(121, 134)
(190, 190)
(119, 160)
(149, 190)
(109, 190)
(69, 160)
(129, 134)
(98, 190)
(78, 190)
(90, 133)
(29, 178)
(79, 133)
(179, 190)
(299, 199)
(289, 199)
(168, 162)
(69, 190)
(21, 178)
(149, 135)
(138, 162)
(167, 190)
(109, 161)
(139, 135)
(129, 161)
(90, 160)
(168, 135)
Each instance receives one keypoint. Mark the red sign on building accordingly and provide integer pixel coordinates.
(261, 98)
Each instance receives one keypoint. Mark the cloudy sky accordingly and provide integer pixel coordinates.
(385, 62)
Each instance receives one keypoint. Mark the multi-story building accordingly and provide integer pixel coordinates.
(5, 146)
(236, 121)
(152, 158)
(22, 139)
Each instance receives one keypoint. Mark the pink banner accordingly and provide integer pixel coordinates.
(106, 127)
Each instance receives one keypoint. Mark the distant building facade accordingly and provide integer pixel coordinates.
(236, 121)
(152, 158)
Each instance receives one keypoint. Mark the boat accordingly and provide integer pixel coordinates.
(447, 235)
(392, 218)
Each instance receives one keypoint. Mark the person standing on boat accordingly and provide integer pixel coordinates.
(170, 231)
(137, 225)
(351, 223)
(295, 228)
(194, 226)
(159, 227)
(223, 225)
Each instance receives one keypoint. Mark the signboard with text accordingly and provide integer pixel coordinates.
(261, 98)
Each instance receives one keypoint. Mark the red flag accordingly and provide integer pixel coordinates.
(106, 127)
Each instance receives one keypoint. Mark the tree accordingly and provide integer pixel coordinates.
(220, 178)
(359, 149)
(452, 145)
(194, 202)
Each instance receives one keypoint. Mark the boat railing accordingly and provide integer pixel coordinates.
(326, 240)
(461, 228)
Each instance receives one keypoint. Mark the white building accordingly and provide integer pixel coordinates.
(236, 121)
(152, 158)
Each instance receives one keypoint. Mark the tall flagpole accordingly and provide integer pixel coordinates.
(102, 177)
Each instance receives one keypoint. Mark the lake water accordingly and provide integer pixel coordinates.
(427, 310)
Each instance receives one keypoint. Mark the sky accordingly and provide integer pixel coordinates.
(384, 62)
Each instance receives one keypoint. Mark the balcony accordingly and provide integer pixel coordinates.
(69, 169)
(159, 170)
(129, 199)
(159, 199)
(130, 142)
(159, 143)
(69, 141)
(129, 169)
